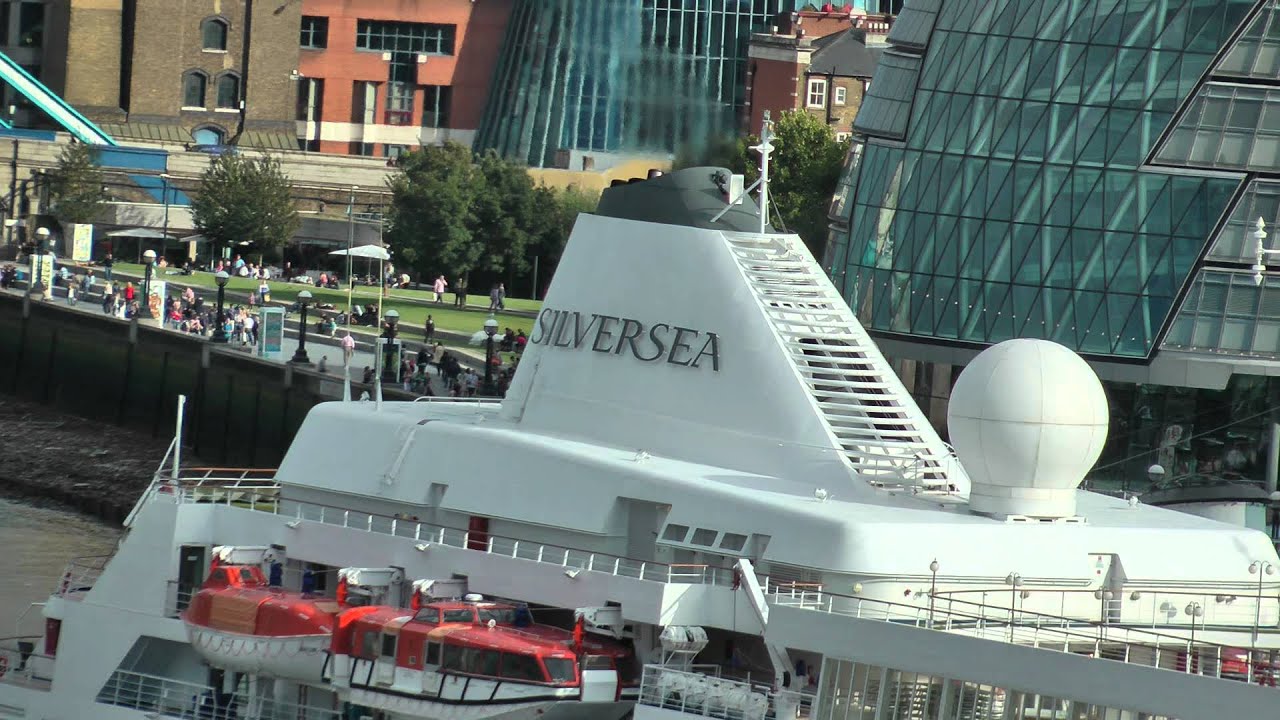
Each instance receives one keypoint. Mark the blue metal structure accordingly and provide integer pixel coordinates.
(54, 106)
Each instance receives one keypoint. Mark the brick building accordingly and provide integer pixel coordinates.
(819, 62)
(181, 71)
(379, 78)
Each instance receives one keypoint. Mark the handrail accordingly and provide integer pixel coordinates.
(23, 665)
(471, 400)
(185, 699)
(575, 559)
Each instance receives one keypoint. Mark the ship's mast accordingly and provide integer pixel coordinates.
(765, 148)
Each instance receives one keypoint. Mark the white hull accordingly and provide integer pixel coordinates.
(300, 658)
(407, 707)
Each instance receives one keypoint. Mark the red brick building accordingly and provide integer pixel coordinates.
(820, 62)
(380, 78)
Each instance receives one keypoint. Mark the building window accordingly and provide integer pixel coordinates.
(209, 135)
(315, 32)
(193, 84)
(817, 96)
(435, 106)
(386, 36)
(228, 91)
(394, 151)
(364, 102)
(310, 99)
(213, 34)
(399, 103)
(362, 148)
(31, 24)
(840, 93)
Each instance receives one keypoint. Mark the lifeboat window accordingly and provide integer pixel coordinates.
(703, 536)
(218, 576)
(452, 658)
(433, 653)
(459, 616)
(560, 670)
(501, 616)
(369, 644)
(675, 533)
(429, 615)
(597, 662)
(481, 662)
(733, 541)
(388, 646)
(246, 575)
(521, 667)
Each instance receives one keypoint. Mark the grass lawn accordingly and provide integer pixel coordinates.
(409, 303)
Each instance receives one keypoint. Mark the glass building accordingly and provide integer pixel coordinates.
(620, 76)
(1088, 172)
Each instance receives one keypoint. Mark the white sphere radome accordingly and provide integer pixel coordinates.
(1028, 419)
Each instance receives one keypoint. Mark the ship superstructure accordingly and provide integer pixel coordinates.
(704, 454)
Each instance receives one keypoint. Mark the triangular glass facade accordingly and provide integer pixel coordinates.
(1017, 199)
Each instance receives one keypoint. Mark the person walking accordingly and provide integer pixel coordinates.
(438, 287)
(428, 330)
(460, 294)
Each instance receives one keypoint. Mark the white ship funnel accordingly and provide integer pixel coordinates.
(1028, 418)
(718, 347)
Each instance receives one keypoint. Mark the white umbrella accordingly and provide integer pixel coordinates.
(373, 252)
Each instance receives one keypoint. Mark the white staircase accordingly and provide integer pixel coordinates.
(871, 418)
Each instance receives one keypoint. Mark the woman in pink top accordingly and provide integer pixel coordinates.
(439, 287)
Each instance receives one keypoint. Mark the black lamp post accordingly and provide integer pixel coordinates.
(144, 309)
(300, 355)
(40, 283)
(490, 329)
(388, 353)
(219, 330)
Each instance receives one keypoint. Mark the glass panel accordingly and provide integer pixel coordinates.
(213, 35)
(315, 32)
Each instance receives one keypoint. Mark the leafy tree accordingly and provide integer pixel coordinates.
(510, 214)
(431, 218)
(562, 210)
(242, 198)
(75, 185)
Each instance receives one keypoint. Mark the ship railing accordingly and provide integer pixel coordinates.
(1048, 632)
(177, 597)
(464, 400)
(793, 593)
(1238, 605)
(20, 664)
(80, 575)
(708, 695)
(181, 699)
(266, 499)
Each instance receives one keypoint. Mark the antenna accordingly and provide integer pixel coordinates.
(765, 148)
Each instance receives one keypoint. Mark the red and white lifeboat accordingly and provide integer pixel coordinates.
(238, 622)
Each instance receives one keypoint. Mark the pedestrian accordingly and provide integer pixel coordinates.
(493, 298)
(460, 295)
(348, 348)
(107, 264)
(428, 330)
(439, 286)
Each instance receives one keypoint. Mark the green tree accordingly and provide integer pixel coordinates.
(562, 208)
(75, 185)
(431, 218)
(803, 173)
(245, 199)
(510, 214)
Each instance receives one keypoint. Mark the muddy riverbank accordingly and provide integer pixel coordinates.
(93, 467)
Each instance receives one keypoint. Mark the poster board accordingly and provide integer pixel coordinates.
(392, 354)
(271, 332)
(42, 271)
(155, 300)
(79, 242)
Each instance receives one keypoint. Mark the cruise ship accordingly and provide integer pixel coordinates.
(705, 495)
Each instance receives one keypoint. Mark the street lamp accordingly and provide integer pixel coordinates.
(1193, 610)
(40, 286)
(933, 588)
(219, 331)
(144, 311)
(388, 372)
(1013, 580)
(490, 329)
(1261, 568)
(300, 355)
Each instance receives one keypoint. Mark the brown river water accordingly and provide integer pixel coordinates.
(35, 544)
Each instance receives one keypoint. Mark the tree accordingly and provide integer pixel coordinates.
(431, 218)
(562, 210)
(803, 172)
(75, 185)
(245, 199)
(510, 214)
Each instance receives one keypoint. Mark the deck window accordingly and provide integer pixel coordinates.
(733, 541)
(481, 662)
(369, 644)
(465, 615)
(451, 658)
(521, 667)
(675, 533)
(560, 670)
(703, 536)
(501, 616)
(427, 615)
(433, 653)
(388, 646)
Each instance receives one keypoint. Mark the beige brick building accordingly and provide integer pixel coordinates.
(197, 72)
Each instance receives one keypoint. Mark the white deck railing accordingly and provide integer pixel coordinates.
(180, 699)
(707, 695)
(79, 576)
(20, 664)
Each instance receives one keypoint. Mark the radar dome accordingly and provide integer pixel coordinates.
(1028, 418)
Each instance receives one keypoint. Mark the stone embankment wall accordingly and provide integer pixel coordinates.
(107, 380)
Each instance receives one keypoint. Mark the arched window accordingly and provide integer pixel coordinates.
(213, 34)
(209, 135)
(228, 91)
(193, 85)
